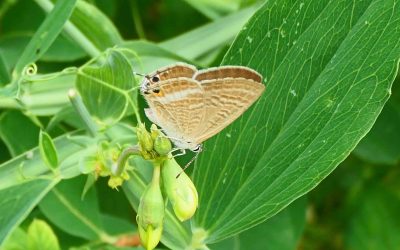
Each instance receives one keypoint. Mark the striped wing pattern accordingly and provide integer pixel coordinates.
(192, 106)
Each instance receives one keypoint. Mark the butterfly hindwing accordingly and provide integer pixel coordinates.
(177, 105)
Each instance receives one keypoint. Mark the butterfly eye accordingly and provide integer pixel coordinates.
(155, 79)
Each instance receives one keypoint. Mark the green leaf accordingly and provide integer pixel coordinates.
(18, 240)
(4, 72)
(44, 97)
(375, 221)
(106, 87)
(145, 50)
(214, 9)
(95, 26)
(48, 150)
(45, 35)
(30, 165)
(382, 143)
(67, 115)
(62, 49)
(328, 67)
(19, 195)
(117, 226)
(18, 201)
(64, 207)
(18, 132)
(283, 231)
(200, 41)
(41, 236)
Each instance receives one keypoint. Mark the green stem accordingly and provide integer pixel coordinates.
(123, 158)
(72, 31)
(80, 108)
(156, 175)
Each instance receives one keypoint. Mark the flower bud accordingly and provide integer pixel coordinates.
(144, 137)
(115, 181)
(162, 145)
(181, 191)
(150, 237)
(154, 131)
(151, 214)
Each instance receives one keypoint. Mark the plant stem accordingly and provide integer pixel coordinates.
(123, 158)
(156, 175)
(80, 108)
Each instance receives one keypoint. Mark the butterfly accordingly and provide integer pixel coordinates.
(193, 105)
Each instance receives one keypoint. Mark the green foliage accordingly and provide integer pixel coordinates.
(38, 236)
(48, 150)
(69, 101)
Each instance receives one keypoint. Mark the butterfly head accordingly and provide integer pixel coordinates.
(148, 84)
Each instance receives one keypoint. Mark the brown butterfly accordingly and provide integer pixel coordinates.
(193, 105)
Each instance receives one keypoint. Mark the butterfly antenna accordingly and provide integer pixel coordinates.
(139, 74)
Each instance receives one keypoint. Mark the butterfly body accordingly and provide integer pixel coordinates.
(192, 105)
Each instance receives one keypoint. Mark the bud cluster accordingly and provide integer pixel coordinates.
(180, 191)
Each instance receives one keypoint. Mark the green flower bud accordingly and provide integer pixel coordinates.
(181, 191)
(150, 215)
(144, 137)
(154, 131)
(116, 181)
(150, 237)
(162, 145)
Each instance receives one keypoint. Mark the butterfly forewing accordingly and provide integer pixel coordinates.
(227, 72)
(178, 106)
(174, 71)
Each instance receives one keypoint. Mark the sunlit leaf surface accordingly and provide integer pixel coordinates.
(328, 67)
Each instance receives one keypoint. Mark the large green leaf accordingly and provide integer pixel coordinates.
(283, 231)
(18, 201)
(18, 132)
(65, 208)
(95, 26)
(44, 36)
(328, 67)
(107, 86)
(382, 143)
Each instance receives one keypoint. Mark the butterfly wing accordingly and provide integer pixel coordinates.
(177, 106)
(228, 92)
(227, 71)
(174, 71)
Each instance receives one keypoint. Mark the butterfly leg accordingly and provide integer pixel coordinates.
(182, 152)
